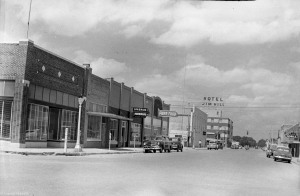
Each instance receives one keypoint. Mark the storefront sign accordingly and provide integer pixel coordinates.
(213, 101)
(140, 112)
(167, 113)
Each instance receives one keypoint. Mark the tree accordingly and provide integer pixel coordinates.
(261, 143)
(249, 141)
(236, 138)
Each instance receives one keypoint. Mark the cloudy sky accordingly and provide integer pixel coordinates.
(248, 53)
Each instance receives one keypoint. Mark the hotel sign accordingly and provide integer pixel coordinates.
(140, 112)
(167, 113)
(213, 101)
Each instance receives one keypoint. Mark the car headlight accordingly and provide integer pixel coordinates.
(157, 143)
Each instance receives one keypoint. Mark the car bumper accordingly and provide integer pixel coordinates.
(283, 158)
(151, 148)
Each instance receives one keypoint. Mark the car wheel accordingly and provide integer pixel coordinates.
(181, 148)
(146, 151)
(169, 150)
(154, 151)
(177, 149)
(160, 150)
(289, 161)
(275, 159)
(165, 150)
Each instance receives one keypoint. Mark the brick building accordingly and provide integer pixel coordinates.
(219, 128)
(39, 94)
(180, 126)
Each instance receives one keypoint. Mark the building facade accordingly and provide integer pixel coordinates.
(192, 131)
(219, 128)
(39, 101)
(39, 96)
(289, 135)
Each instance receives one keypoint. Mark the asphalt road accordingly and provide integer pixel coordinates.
(192, 172)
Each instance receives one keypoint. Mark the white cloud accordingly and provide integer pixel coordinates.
(105, 68)
(190, 23)
(222, 22)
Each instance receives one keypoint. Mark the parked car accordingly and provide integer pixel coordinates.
(212, 145)
(176, 144)
(282, 153)
(271, 148)
(159, 143)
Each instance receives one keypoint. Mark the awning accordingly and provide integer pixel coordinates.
(109, 115)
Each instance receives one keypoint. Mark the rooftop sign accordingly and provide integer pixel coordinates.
(213, 101)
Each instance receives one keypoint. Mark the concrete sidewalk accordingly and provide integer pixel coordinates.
(70, 151)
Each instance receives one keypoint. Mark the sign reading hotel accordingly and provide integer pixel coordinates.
(140, 112)
(167, 113)
(213, 101)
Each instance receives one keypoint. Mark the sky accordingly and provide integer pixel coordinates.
(248, 53)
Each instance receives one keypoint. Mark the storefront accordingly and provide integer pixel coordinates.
(290, 136)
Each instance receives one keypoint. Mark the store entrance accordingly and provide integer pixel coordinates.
(124, 133)
(54, 120)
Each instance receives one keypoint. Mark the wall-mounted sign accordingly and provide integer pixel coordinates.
(213, 101)
(167, 113)
(140, 112)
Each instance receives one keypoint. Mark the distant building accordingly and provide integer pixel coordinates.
(219, 128)
(180, 126)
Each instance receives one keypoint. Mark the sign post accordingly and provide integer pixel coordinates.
(109, 140)
(66, 140)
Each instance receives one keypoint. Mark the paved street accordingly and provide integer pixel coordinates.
(193, 172)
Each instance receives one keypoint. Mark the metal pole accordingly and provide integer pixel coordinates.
(77, 146)
(191, 126)
(66, 140)
(109, 140)
(28, 19)
(134, 142)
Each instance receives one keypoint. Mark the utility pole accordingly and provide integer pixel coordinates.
(191, 125)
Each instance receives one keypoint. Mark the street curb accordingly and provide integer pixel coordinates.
(69, 153)
(96, 153)
(29, 153)
(296, 162)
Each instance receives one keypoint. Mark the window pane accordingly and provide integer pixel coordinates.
(37, 122)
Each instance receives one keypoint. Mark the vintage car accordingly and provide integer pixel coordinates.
(176, 144)
(159, 143)
(271, 148)
(212, 145)
(282, 153)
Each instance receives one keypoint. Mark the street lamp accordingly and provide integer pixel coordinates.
(77, 146)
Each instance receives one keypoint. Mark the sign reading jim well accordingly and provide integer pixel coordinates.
(213, 101)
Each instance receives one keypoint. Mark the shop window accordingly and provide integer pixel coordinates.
(69, 120)
(37, 122)
(114, 129)
(5, 118)
(94, 128)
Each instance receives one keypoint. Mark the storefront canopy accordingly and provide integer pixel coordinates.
(109, 115)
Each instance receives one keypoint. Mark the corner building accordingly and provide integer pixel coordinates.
(38, 96)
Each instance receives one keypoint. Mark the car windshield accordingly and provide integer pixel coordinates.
(158, 138)
(284, 149)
